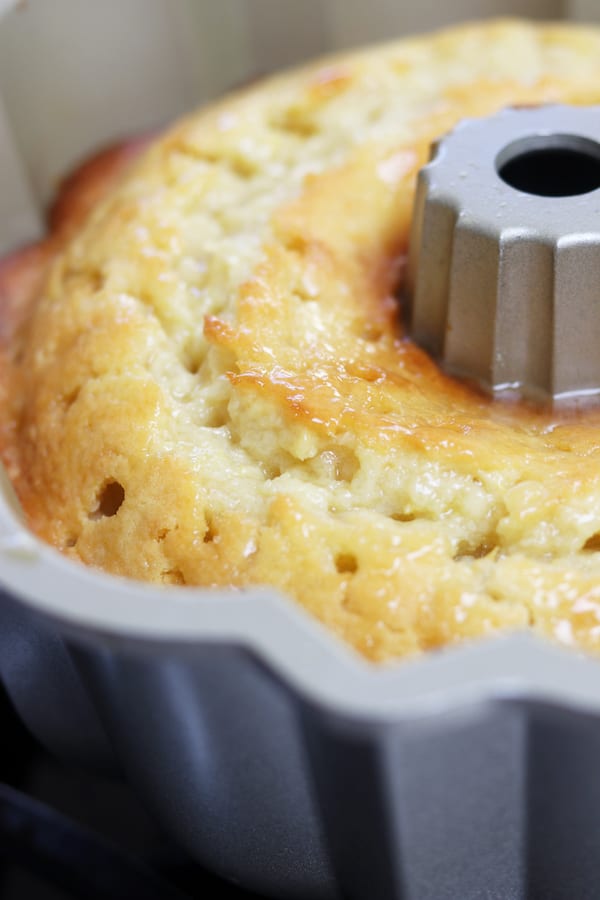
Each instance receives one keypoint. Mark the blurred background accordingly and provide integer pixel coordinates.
(76, 74)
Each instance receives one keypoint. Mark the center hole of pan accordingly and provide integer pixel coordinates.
(553, 165)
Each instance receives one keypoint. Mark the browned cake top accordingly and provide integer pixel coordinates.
(212, 386)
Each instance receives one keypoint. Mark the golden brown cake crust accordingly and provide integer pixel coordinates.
(211, 385)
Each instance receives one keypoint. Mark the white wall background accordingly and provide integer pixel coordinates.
(75, 74)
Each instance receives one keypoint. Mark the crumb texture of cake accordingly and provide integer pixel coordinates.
(205, 380)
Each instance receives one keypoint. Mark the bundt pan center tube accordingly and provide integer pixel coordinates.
(274, 753)
(504, 263)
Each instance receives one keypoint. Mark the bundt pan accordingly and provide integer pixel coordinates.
(284, 762)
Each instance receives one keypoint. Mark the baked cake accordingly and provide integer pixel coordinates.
(205, 380)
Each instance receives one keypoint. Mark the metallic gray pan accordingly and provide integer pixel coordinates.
(284, 762)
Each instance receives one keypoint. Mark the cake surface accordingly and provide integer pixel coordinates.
(204, 380)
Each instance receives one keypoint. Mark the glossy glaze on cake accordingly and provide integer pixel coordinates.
(205, 380)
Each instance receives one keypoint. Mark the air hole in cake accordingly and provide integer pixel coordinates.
(295, 243)
(193, 354)
(209, 534)
(219, 416)
(89, 281)
(172, 576)
(306, 291)
(372, 333)
(110, 500)
(468, 550)
(496, 594)
(593, 543)
(294, 121)
(346, 464)
(192, 365)
(243, 166)
(403, 517)
(234, 159)
(346, 563)
(70, 398)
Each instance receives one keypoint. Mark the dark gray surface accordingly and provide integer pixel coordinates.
(42, 859)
